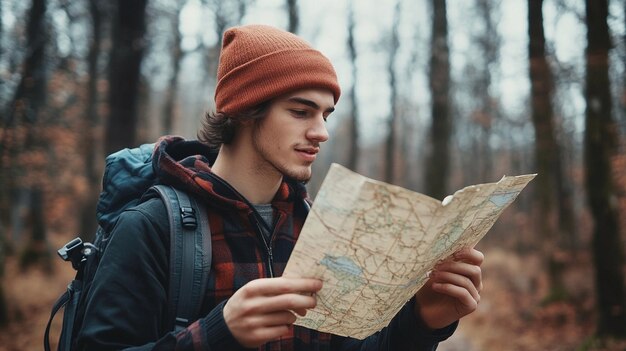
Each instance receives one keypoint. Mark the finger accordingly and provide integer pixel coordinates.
(300, 311)
(282, 285)
(270, 319)
(442, 277)
(473, 272)
(292, 302)
(260, 336)
(459, 293)
(469, 255)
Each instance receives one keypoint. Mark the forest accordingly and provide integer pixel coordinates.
(436, 95)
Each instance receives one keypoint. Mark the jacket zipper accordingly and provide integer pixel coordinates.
(268, 247)
(254, 217)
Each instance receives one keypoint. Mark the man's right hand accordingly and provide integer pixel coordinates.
(261, 310)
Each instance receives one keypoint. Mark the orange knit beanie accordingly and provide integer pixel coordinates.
(258, 63)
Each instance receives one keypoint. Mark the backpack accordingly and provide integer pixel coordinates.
(128, 180)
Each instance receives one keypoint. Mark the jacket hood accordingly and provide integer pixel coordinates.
(187, 165)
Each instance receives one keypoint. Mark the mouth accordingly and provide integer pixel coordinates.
(308, 153)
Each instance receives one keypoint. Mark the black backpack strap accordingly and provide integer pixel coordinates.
(60, 303)
(190, 254)
(77, 252)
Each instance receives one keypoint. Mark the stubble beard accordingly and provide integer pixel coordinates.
(267, 161)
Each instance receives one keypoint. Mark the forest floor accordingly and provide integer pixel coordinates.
(511, 315)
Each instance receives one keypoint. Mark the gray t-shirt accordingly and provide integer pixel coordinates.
(267, 213)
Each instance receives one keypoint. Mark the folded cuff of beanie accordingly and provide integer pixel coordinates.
(273, 75)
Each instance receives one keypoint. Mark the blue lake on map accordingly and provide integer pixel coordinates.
(342, 264)
(502, 198)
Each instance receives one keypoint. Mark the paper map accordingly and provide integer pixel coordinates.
(372, 244)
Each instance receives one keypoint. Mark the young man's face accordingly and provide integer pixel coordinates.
(288, 139)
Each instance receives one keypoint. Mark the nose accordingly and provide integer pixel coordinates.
(317, 131)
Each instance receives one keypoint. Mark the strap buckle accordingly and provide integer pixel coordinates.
(76, 251)
(188, 216)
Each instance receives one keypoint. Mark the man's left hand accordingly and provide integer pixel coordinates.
(453, 290)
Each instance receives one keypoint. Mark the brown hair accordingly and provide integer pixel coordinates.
(219, 127)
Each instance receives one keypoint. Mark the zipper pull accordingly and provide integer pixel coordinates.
(271, 258)
(268, 248)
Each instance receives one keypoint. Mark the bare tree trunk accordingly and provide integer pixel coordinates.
(226, 14)
(143, 112)
(4, 308)
(294, 18)
(390, 143)
(30, 93)
(2, 50)
(600, 146)
(1, 28)
(4, 312)
(242, 6)
(5, 155)
(478, 165)
(568, 232)
(30, 98)
(541, 94)
(490, 48)
(225, 17)
(169, 109)
(353, 148)
(438, 163)
(37, 250)
(547, 152)
(88, 210)
(623, 99)
(124, 73)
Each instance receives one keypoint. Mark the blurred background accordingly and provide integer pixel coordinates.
(436, 95)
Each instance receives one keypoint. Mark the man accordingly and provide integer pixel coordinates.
(273, 96)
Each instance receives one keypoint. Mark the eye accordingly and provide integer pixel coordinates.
(299, 113)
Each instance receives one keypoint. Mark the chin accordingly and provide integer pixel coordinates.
(301, 174)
